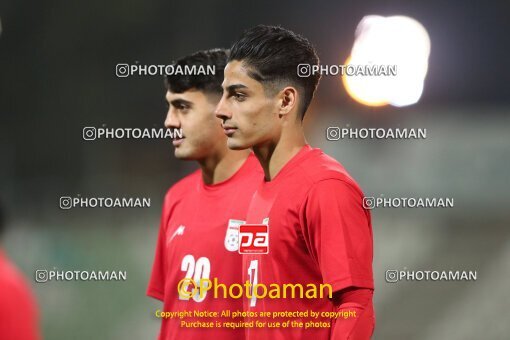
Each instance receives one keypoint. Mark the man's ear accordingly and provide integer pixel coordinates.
(288, 100)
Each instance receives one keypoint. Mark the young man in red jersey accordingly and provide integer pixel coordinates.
(318, 230)
(202, 212)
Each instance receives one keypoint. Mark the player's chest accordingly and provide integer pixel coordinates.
(199, 234)
(278, 217)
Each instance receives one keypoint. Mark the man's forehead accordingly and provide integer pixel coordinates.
(236, 69)
(237, 73)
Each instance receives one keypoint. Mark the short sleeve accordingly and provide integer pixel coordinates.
(338, 233)
(156, 287)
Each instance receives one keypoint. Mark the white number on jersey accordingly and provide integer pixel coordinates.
(253, 274)
(199, 269)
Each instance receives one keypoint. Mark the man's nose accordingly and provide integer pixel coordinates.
(222, 111)
(171, 120)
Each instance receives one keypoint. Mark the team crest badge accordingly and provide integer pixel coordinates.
(232, 235)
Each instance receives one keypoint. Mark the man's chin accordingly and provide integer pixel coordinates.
(183, 155)
(236, 144)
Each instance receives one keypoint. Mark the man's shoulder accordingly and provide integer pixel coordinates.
(321, 167)
(12, 282)
(183, 186)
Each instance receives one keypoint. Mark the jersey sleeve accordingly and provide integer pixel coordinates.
(156, 287)
(338, 234)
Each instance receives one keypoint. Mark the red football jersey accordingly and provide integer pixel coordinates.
(318, 232)
(198, 238)
(18, 310)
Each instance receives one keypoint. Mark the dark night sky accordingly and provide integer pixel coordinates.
(57, 67)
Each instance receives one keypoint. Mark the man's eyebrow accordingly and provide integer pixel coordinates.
(180, 102)
(233, 87)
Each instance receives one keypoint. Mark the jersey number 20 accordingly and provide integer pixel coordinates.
(199, 269)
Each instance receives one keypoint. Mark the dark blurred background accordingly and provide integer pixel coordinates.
(57, 75)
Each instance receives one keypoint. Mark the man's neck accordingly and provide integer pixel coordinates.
(275, 154)
(221, 166)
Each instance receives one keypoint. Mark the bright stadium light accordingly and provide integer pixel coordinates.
(398, 41)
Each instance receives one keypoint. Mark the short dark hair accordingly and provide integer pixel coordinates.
(273, 54)
(209, 83)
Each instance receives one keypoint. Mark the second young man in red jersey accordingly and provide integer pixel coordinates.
(202, 212)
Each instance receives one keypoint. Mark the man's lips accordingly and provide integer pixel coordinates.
(177, 141)
(229, 130)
